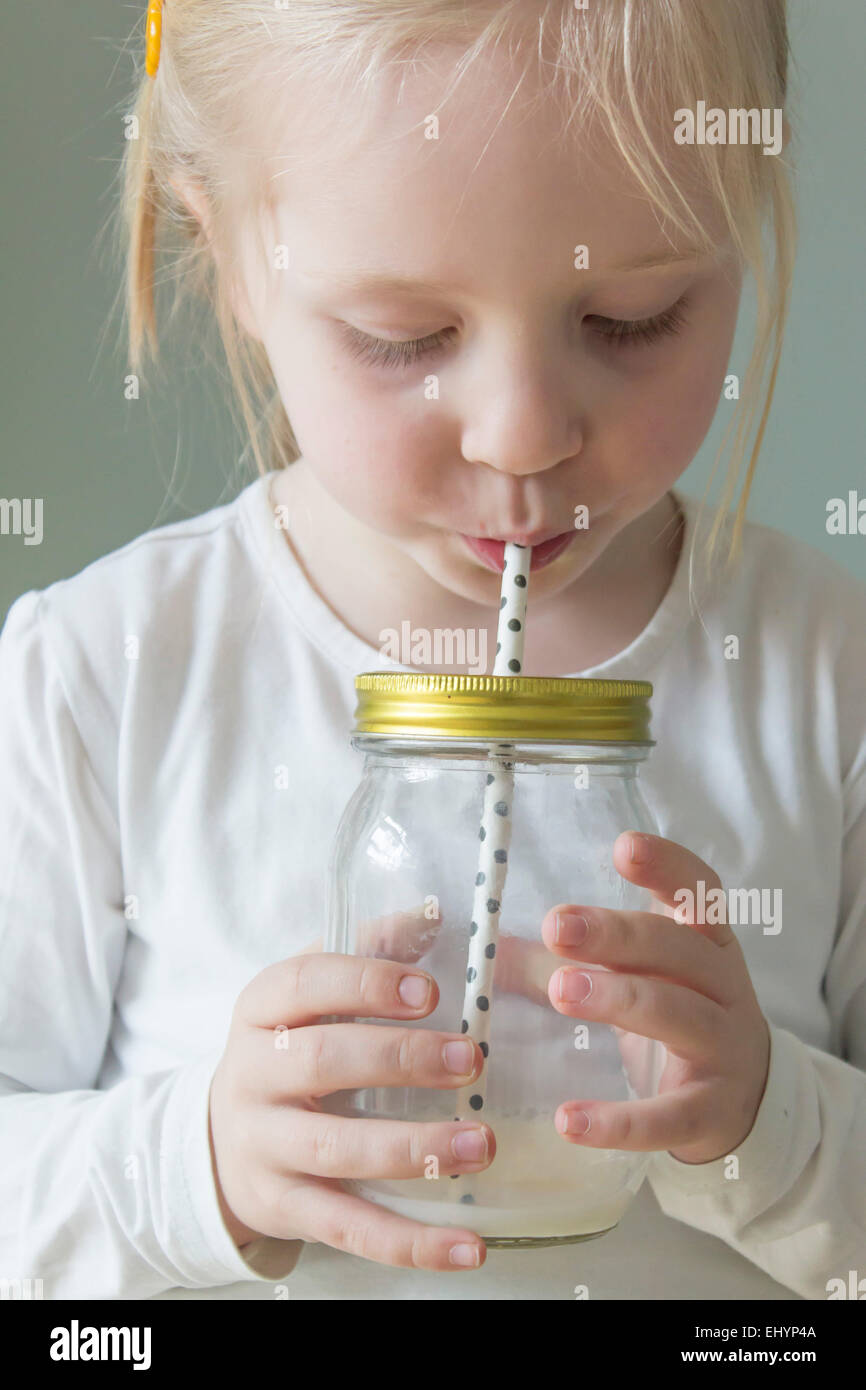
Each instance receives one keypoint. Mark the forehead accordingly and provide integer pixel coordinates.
(485, 180)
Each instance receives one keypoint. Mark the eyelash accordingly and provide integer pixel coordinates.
(623, 333)
(642, 331)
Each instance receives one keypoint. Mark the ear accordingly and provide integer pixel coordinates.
(194, 198)
(192, 195)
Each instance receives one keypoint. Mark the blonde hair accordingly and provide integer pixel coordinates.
(629, 63)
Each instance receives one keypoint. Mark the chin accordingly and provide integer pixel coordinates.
(467, 582)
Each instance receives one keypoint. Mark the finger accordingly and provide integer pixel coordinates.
(357, 1227)
(304, 988)
(639, 1061)
(402, 936)
(405, 936)
(666, 869)
(522, 967)
(671, 1121)
(318, 1059)
(334, 1146)
(688, 1023)
(640, 942)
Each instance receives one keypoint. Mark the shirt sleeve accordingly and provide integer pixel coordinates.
(797, 1208)
(103, 1193)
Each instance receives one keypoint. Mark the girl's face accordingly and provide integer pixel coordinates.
(451, 366)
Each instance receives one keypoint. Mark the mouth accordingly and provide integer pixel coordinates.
(492, 553)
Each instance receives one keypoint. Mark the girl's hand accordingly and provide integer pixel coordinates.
(278, 1158)
(684, 984)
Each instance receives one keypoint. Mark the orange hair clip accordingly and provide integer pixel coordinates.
(153, 36)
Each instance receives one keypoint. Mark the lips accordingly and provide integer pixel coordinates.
(492, 553)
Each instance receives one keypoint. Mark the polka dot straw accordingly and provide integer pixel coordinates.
(495, 837)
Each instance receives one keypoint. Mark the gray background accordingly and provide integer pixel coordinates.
(109, 469)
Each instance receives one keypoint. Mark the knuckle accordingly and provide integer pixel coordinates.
(353, 1237)
(404, 1053)
(310, 1048)
(368, 991)
(326, 1148)
(414, 1148)
(286, 1212)
(299, 973)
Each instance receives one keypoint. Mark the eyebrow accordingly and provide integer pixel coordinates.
(376, 283)
(660, 258)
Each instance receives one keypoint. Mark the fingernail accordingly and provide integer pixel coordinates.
(470, 1145)
(641, 849)
(574, 1122)
(468, 1256)
(574, 986)
(459, 1058)
(570, 929)
(414, 990)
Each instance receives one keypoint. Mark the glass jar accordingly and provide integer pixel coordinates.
(403, 875)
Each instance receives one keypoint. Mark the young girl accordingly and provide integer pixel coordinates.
(471, 275)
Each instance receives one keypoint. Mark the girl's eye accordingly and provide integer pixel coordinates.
(636, 332)
(383, 353)
(618, 333)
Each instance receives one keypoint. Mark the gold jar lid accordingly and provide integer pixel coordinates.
(533, 708)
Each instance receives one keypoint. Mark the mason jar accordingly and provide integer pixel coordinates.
(403, 886)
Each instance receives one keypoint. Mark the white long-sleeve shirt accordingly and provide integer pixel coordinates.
(152, 862)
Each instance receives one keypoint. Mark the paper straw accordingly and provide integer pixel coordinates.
(495, 836)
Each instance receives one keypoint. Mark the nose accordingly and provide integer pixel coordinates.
(524, 419)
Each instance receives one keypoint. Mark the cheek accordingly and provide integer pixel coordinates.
(665, 423)
(373, 446)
